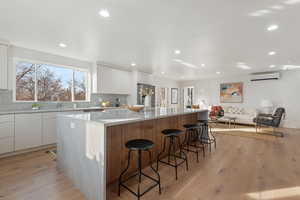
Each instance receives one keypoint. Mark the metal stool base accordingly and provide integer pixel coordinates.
(173, 155)
(192, 136)
(139, 194)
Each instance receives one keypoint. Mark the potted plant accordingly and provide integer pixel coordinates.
(35, 106)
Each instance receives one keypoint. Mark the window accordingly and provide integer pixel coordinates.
(25, 81)
(79, 86)
(162, 97)
(44, 82)
(188, 96)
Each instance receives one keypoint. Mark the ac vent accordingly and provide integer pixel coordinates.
(265, 76)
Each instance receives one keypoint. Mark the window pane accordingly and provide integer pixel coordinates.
(80, 85)
(25, 73)
(54, 83)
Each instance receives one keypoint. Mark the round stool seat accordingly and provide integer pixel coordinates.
(203, 121)
(191, 126)
(171, 132)
(139, 144)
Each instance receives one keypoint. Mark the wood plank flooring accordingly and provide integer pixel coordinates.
(241, 168)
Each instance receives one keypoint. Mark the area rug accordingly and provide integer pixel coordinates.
(247, 132)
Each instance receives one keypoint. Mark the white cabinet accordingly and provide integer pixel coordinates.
(49, 128)
(113, 81)
(3, 66)
(28, 131)
(6, 133)
(6, 145)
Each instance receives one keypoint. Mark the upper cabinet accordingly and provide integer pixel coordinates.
(113, 81)
(3, 65)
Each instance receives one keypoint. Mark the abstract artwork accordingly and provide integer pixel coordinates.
(231, 93)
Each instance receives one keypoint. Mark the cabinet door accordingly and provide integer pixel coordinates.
(114, 81)
(49, 128)
(6, 130)
(6, 145)
(6, 133)
(28, 131)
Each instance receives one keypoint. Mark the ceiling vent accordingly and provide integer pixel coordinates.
(265, 76)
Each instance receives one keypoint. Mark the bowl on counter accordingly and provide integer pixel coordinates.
(136, 108)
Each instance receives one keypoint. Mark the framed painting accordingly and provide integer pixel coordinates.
(174, 95)
(231, 92)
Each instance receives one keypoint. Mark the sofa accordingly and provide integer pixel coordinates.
(243, 115)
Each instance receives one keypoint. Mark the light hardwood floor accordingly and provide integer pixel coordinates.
(241, 168)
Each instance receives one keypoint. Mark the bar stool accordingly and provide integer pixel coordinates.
(139, 145)
(172, 135)
(207, 136)
(192, 139)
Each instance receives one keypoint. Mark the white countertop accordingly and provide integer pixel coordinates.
(28, 111)
(124, 116)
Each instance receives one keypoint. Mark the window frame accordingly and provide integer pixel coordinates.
(87, 81)
(185, 95)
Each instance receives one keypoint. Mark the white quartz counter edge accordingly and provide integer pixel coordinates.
(130, 121)
(151, 118)
(8, 112)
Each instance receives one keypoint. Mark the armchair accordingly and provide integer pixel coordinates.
(270, 120)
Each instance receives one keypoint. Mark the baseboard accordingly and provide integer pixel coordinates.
(15, 153)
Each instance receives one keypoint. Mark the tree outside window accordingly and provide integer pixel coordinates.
(43, 82)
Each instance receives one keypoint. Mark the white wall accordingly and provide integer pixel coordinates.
(146, 78)
(150, 79)
(283, 92)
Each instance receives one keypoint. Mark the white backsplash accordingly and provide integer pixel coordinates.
(7, 103)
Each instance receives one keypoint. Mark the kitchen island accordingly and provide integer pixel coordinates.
(91, 146)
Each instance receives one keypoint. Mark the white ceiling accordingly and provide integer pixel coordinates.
(219, 33)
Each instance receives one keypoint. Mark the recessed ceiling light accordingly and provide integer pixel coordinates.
(62, 45)
(162, 72)
(218, 72)
(272, 66)
(273, 27)
(177, 52)
(272, 53)
(202, 65)
(104, 13)
(133, 64)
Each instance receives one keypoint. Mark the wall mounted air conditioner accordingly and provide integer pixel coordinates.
(265, 76)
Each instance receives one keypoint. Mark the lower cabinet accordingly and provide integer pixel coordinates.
(25, 131)
(28, 131)
(6, 145)
(6, 133)
(49, 128)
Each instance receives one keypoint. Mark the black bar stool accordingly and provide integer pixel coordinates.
(139, 145)
(172, 135)
(207, 136)
(192, 142)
